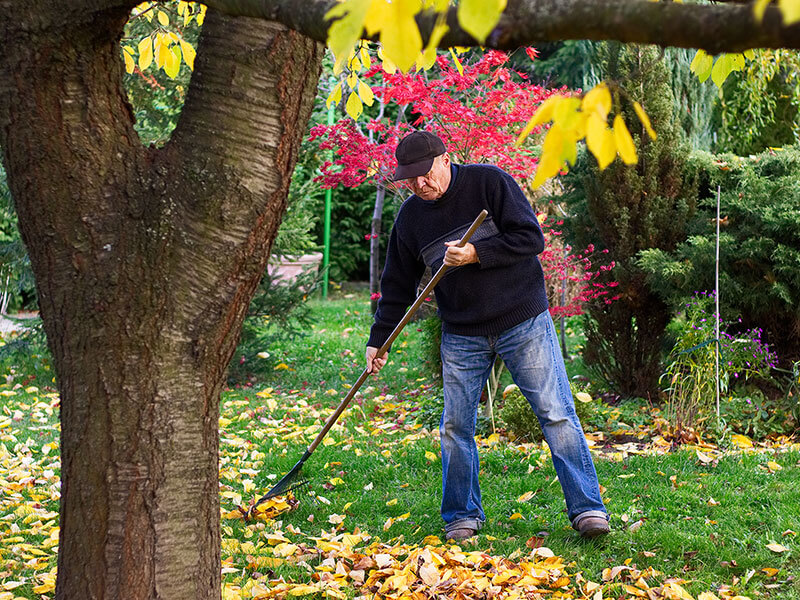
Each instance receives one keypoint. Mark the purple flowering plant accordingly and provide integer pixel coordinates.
(691, 376)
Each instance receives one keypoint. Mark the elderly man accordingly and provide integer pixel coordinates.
(492, 302)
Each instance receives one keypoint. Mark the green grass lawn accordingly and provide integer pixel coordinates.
(706, 523)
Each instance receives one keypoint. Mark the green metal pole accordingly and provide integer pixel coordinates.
(326, 253)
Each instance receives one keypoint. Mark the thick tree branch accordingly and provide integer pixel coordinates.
(727, 27)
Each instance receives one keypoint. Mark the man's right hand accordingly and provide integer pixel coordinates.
(374, 362)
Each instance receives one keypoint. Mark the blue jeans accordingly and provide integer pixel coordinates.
(531, 353)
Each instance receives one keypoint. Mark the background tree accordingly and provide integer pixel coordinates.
(628, 210)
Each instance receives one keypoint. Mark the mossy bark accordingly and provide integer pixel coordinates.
(145, 263)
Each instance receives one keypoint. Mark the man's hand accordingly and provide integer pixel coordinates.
(374, 363)
(456, 257)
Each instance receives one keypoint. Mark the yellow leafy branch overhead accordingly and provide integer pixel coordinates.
(394, 23)
(574, 119)
(164, 46)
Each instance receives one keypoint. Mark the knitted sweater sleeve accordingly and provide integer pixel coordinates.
(520, 234)
(401, 275)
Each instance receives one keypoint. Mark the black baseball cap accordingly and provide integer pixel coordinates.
(415, 154)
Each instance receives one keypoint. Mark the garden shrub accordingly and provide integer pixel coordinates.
(691, 373)
(520, 420)
(756, 416)
(759, 247)
(628, 209)
(25, 357)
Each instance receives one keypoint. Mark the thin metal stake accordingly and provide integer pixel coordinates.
(716, 299)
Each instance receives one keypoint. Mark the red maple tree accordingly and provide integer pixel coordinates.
(478, 109)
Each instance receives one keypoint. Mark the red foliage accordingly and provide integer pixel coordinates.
(478, 114)
(573, 273)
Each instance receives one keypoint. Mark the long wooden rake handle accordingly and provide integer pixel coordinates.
(393, 336)
(285, 483)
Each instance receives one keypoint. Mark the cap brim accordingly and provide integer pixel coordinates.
(412, 170)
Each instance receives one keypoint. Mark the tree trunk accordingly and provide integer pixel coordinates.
(145, 263)
(375, 248)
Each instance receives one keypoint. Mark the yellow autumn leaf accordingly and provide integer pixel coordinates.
(336, 481)
(566, 114)
(583, 397)
(773, 466)
(428, 57)
(303, 590)
(160, 51)
(335, 96)
(457, 62)
(430, 455)
(516, 516)
(388, 523)
(543, 114)
(354, 107)
(550, 162)
(172, 65)
(163, 19)
(479, 17)
(600, 141)
(366, 60)
(624, 141)
(790, 9)
(285, 549)
(598, 100)
(645, 120)
(742, 441)
(280, 366)
(526, 496)
(770, 571)
(400, 35)
(188, 54)
(145, 53)
(777, 548)
(392, 502)
(707, 596)
(759, 6)
(130, 64)
(345, 30)
(365, 93)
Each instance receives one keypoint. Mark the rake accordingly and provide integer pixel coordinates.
(287, 482)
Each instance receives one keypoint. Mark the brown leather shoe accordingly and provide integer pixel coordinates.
(592, 527)
(460, 534)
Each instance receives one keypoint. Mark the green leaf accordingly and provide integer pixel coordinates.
(722, 68)
(479, 17)
(701, 65)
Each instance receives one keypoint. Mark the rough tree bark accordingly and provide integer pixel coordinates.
(145, 263)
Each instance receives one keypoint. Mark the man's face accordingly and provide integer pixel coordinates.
(435, 182)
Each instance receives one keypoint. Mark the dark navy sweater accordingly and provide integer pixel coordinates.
(504, 289)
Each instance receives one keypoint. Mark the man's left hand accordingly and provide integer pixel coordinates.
(456, 256)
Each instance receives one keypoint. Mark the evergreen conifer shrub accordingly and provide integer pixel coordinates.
(627, 210)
